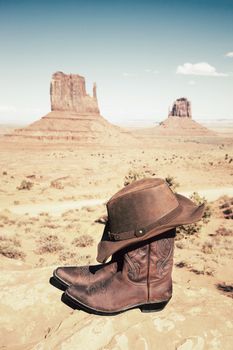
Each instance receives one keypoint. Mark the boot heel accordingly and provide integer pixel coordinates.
(155, 307)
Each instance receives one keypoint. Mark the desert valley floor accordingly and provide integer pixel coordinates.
(51, 195)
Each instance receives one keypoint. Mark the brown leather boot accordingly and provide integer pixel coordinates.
(143, 281)
(84, 275)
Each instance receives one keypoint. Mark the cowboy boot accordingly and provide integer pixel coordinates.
(144, 281)
(85, 275)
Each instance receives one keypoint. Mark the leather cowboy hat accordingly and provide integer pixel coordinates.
(142, 210)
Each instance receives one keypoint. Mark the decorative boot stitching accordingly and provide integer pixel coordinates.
(134, 258)
(164, 251)
(134, 268)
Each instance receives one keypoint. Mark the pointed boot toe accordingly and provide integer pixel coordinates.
(84, 275)
(65, 275)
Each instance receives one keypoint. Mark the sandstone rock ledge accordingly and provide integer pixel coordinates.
(33, 317)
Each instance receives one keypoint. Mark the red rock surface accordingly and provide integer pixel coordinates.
(181, 108)
(68, 93)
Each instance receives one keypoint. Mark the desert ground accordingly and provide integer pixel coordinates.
(51, 196)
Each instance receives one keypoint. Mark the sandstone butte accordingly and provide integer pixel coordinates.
(74, 116)
(178, 123)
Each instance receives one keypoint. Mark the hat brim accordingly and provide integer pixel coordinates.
(189, 213)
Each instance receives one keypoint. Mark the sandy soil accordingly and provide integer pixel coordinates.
(50, 197)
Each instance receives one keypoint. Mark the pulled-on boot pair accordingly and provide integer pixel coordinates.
(139, 235)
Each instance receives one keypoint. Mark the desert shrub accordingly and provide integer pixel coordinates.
(44, 213)
(67, 256)
(25, 185)
(196, 198)
(14, 240)
(222, 231)
(172, 182)
(134, 175)
(181, 264)
(207, 248)
(12, 253)
(50, 225)
(83, 241)
(48, 244)
(195, 228)
(56, 184)
(9, 250)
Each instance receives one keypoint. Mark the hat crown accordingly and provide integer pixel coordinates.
(140, 204)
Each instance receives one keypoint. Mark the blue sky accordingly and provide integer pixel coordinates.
(142, 54)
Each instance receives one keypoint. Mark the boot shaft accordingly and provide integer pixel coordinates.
(151, 265)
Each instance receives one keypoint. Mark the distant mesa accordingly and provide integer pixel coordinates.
(180, 122)
(181, 108)
(74, 116)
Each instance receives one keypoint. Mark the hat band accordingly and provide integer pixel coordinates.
(139, 232)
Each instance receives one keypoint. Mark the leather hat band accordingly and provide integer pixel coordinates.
(139, 232)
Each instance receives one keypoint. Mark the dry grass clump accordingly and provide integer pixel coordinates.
(223, 231)
(50, 225)
(5, 219)
(172, 182)
(207, 248)
(60, 182)
(9, 248)
(83, 241)
(68, 256)
(14, 240)
(56, 184)
(44, 213)
(134, 175)
(25, 185)
(48, 244)
(11, 252)
(181, 264)
(195, 228)
(199, 269)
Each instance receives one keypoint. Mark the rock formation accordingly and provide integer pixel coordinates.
(181, 108)
(68, 93)
(74, 116)
(180, 122)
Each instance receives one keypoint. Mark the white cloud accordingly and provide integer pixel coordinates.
(229, 54)
(201, 68)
